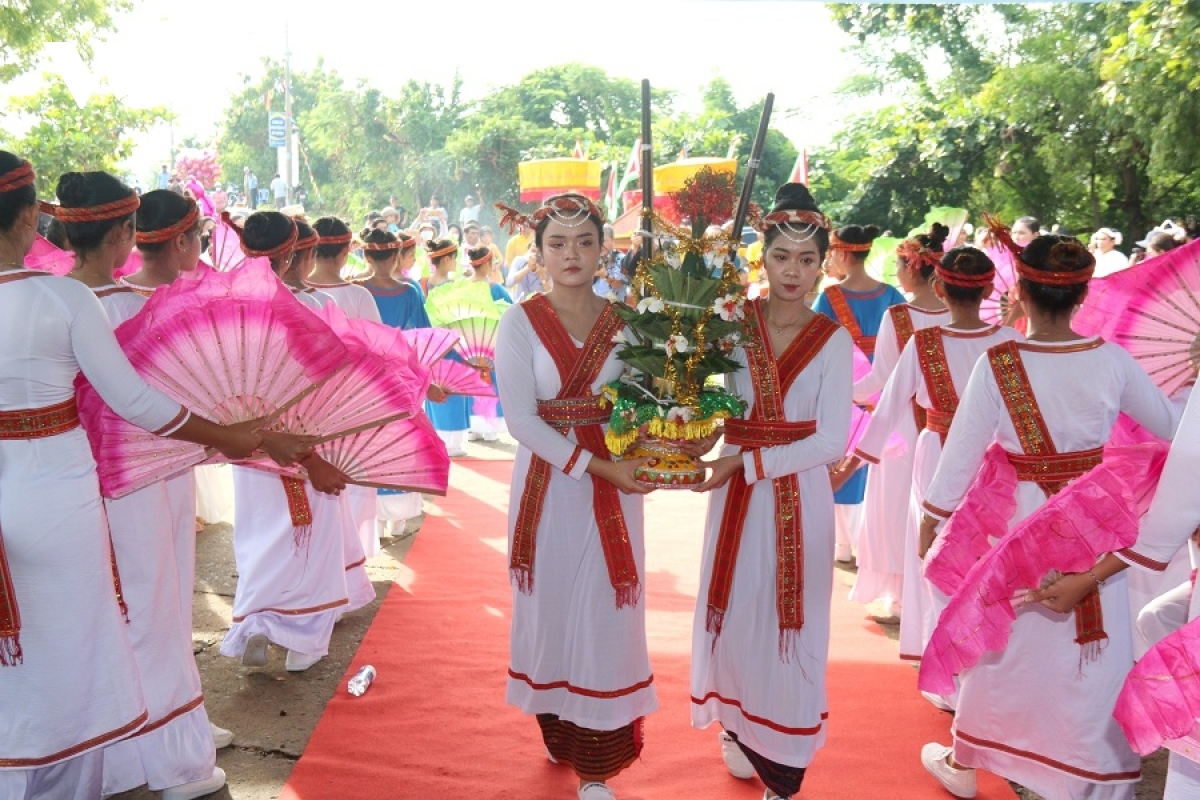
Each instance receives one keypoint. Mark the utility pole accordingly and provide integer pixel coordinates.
(287, 109)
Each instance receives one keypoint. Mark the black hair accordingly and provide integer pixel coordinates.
(967, 260)
(935, 241)
(377, 236)
(1051, 253)
(1032, 223)
(266, 230)
(13, 202)
(458, 236)
(84, 190)
(330, 226)
(476, 253)
(796, 197)
(56, 234)
(161, 209)
(540, 228)
(303, 231)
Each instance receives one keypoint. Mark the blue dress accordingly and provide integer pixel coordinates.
(868, 309)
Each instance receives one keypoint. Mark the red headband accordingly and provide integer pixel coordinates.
(837, 244)
(106, 211)
(1058, 278)
(479, 262)
(811, 219)
(307, 243)
(912, 250)
(952, 278)
(336, 238)
(285, 247)
(408, 244)
(17, 177)
(394, 245)
(171, 231)
(445, 251)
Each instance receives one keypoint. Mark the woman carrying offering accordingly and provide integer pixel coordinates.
(579, 659)
(761, 631)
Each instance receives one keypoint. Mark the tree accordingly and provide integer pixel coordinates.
(65, 137)
(25, 25)
(1076, 113)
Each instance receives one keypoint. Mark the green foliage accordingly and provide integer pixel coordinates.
(25, 25)
(1080, 114)
(65, 137)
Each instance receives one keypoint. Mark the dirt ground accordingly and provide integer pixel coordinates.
(273, 712)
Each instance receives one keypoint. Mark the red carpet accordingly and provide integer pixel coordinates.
(434, 724)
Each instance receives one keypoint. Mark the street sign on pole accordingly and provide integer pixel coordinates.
(276, 129)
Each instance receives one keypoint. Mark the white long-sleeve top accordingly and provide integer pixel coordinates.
(53, 328)
(887, 348)
(355, 301)
(962, 347)
(1081, 386)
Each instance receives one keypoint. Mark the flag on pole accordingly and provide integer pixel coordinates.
(800, 170)
(633, 169)
(579, 149)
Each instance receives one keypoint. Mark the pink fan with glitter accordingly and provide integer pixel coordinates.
(455, 377)
(46, 257)
(1153, 311)
(230, 346)
(430, 345)
(225, 245)
(478, 340)
(1160, 701)
(1095, 514)
(995, 306)
(406, 454)
(378, 382)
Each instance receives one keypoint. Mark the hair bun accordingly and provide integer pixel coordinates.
(794, 197)
(872, 231)
(73, 189)
(937, 236)
(1069, 255)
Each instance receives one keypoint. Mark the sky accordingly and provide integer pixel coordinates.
(191, 57)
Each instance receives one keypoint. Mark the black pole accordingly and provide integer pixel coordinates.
(760, 139)
(647, 167)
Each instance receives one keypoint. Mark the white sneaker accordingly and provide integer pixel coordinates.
(769, 795)
(596, 791)
(958, 782)
(190, 791)
(937, 701)
(221, 737)
(298, 662)
(735, 760)
(255, 654)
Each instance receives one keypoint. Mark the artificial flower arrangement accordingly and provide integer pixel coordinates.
(688, 320)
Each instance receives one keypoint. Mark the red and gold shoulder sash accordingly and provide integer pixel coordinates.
(578, 369)
(935, 370)
(845, 316)
(902, 323)
(771, 380)
(1042, 463)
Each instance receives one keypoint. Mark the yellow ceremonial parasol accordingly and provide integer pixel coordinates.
(670, 178)
(550, 176)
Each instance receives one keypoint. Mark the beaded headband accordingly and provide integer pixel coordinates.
(571, 210)
(335, 238)
(171, 231)
(17, 177)
(952, 278)
(795, 225)
(445, 251)
(376, 247)
(479, 262)
(105, 211)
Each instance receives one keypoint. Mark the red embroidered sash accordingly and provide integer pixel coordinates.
(299, 510)
(931, 355)
(902, 323)
(574, 406)
(1044, 465)
(771, 378)
(844, 314)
